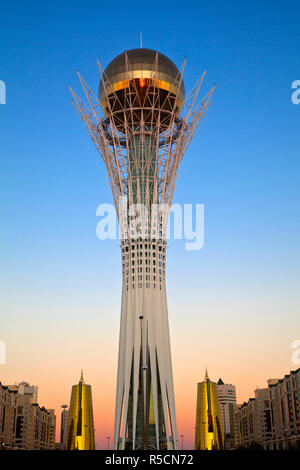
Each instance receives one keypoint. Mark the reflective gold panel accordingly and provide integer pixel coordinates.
(80, 429)
(209, 431)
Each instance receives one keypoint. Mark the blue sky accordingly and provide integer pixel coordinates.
(243, 165)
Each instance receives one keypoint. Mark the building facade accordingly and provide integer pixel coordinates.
(227, 403)
(23, 423)
(24, 388)
(208, 429)
(284, 397)
(141, 124)
(63, 426)
(253, 420)
(272, 418)
(80, 434)
(8, 401)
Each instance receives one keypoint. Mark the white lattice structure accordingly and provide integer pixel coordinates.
(142, 125)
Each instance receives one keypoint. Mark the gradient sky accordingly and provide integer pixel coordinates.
(234, 305)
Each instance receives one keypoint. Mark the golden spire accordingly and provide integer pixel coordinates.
(81, 377)
(206, 374)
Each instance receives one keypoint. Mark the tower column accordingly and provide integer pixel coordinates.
(144, 129)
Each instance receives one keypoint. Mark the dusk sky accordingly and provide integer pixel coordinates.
(234, 305)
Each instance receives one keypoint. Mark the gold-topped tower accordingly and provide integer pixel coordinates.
(80, 428)
(209, 431)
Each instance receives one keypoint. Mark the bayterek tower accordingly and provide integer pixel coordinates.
(141, 123)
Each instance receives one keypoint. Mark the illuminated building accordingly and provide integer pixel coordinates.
(227, 402)
(208, 430)
(24, 388)
(25, 425)
(272, 418)
(141, 123)
(80, 433)
(284, 399)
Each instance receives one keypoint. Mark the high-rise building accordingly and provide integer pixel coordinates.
(272, 417)
(24, 388)
(284, 396)
(253, 420)
(208, 429)
(8, 401)
(141, 123)
(227, 402)
(63, 426)
(80, 433)
(23, 423)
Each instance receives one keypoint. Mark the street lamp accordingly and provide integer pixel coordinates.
(93, 439)
(108, 438)
(286, 439)
(182, 436)
(144, 368)
(63, 429)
